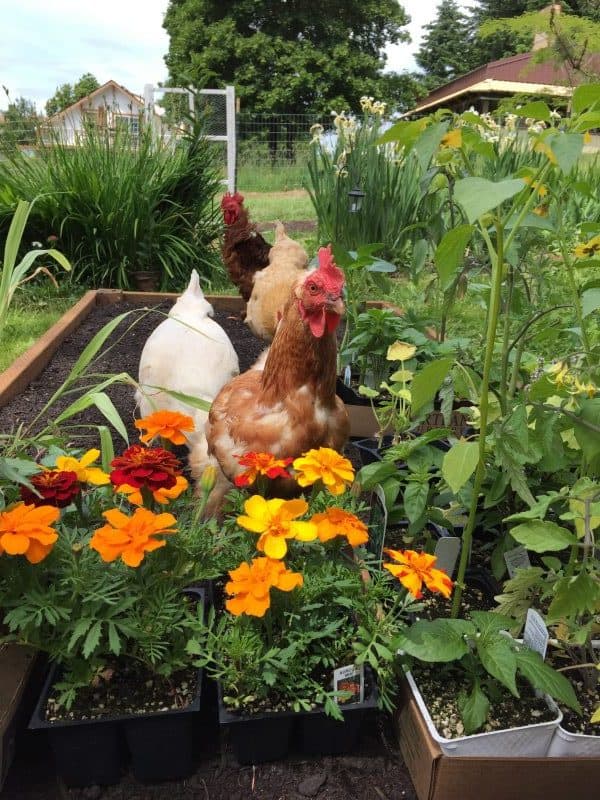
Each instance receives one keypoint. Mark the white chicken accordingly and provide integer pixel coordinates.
(187, 353)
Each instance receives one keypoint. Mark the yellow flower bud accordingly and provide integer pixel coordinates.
(208, 479)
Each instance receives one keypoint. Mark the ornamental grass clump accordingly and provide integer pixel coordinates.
(94, 562)
(305, 598)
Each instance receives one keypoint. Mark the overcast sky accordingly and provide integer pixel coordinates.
(49, 42)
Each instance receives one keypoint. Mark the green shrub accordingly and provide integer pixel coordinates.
(120, 204)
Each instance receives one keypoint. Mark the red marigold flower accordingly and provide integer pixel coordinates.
(57, 488)
(261, 464)
(139, 466)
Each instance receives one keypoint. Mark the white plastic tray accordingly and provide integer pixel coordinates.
(527, 741)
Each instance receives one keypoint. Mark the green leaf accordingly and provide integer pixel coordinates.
(106, 407)
(573, 596)
(490, 622)
(106, 447)
(588, 440)
(497, 657)
(590, 301)
(478, 195)
(473, 709)
(438, 640)
(541, 676)
(415, 499)
(450, 253)
(94, 345)
(536, 110)
(567, 148)
(114, 640)
(403, 133)
(427, 381)
(92, 639)
(542, 536)
(428, 142)
(459, 464)
(585, 97)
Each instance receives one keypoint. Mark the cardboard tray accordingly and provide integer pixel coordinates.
(438, 777)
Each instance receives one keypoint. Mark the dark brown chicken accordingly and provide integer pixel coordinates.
(244, 250)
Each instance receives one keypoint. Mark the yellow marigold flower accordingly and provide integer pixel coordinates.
(275, 521)
(400, 351)
(452, 138)
(587, 249)
(162, 496)
(541, 211)
(84, 468)
(25, 530)
(168, 425)
(131, 537)
(251, 585)
(337, 522)
(539, 187)
(326, 465)
(415, 569)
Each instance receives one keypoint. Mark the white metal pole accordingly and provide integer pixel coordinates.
(231, 136)
(148, 102)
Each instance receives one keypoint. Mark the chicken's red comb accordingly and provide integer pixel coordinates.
(228, 199)
(333, 277)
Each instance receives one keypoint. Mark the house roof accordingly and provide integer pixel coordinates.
(99, 90)
(513, 75)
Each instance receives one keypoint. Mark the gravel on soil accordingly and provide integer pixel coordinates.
(374, 772)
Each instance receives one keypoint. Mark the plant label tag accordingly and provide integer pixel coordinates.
(517, 558)
(377, 523)
(350, 679)
(347, 376)
(446, 552)
(535, 636)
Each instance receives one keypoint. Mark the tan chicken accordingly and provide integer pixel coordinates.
(288, 260)
(289, 406)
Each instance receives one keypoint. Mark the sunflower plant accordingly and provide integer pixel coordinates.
(94, 561)
(307, 599)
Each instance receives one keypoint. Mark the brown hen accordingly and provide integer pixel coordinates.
(244, 250)
(290, 405)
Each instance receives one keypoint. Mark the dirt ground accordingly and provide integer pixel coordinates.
(374, 772)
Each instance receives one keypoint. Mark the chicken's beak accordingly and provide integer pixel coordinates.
(336, 306)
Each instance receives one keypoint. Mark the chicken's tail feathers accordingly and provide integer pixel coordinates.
(280, 233)
(195, 296)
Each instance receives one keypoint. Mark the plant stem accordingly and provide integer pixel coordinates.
(505, 340)
(576, 299)
(497, 258)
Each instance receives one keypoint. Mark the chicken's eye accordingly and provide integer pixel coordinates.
(313, 288)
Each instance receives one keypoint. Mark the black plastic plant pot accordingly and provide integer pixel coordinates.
(256, 738)
(161, 747)
(86, 752)
(370, 450)
(349, 395)
(94, 752)
(320, 734)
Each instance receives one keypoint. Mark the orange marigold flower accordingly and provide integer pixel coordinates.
(139, 466)
(162, 496)
(251, 585)
(337, 522)
(275, 521)
(326, 465)
(131, 537)
(57, 488)
(415, 569)
(168, 425)
(25, 530)
(261, 464)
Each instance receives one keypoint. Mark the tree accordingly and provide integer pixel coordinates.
(67, 94)
(447, 49)
(572, 39)
(20, 122)
(285, 57)
(498, 41)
